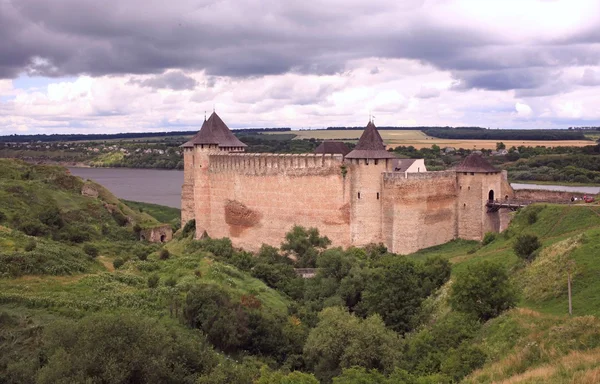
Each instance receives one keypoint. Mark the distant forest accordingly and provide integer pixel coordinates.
(116, 136)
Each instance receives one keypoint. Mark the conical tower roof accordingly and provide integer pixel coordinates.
(214, 131)
(475, 163)
(370, 145)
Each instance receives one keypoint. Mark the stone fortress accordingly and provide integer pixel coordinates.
(354, 198)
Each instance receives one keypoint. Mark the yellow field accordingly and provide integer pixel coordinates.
(419, 140)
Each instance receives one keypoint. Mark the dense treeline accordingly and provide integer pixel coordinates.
(114, 136)
(504, 134)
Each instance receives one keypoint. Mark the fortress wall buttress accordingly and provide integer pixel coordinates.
(258, 198)
(419, 210)
(202, 187)
(366, 196)
(187, 189)
(474, 191)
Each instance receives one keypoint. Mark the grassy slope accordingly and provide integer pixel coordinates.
(538, 342)
(162, 213)
(95, 285)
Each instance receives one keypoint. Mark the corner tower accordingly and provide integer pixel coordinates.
(368, 161)
(478, 182)
(213, 137)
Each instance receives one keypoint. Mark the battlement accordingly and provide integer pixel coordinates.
(270, 163)
(400, 176)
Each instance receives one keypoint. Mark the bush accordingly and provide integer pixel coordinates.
(30, 246)
(164, 254)
(120, 218)
(531, 216)
(525, 246)
(171, 281)
(488, 238)
(123, 348)
(2, 216)
(32, 228)
(483, 290)
(118, 263)
(91, 250)
(190, 227)
(153, 281)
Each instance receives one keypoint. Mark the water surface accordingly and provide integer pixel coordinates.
(146, 185)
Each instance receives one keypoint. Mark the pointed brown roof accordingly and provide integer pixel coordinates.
(370, 145)
(334, 147)
(214, 131)
(475, 163)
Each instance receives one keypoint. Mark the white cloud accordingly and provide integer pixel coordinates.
(523, 110)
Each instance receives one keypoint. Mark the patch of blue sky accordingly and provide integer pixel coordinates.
(37, 82)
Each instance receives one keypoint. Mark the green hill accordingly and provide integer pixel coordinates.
(81, 297)
(538, 342)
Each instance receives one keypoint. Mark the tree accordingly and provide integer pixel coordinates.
(121, 348)
(341, 340)
(394, 291)
(526, 245)
(305, 244)
(276, 377)
(483, 290)
(91, 250)
(500, 146)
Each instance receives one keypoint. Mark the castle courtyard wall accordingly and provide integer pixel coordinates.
(258, 198)
(419, 210)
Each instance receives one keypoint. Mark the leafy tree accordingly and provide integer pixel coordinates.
(394, 291)
(341, 340)
(360, 375)
(500, 146)
(274, 275)
(335, 263)
(525, 246)
(305, 244)
(462, 361)
(276, 377)
(209, 308)
(435, 272)
(483, 290)
(122, 348)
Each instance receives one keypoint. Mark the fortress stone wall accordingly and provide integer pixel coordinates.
(353, 200)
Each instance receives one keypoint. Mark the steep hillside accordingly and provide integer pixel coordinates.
(65, 255)
(538, 342)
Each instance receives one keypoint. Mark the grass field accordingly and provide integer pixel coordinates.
(419, 140)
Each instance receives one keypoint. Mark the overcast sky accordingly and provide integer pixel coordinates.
(88, 66)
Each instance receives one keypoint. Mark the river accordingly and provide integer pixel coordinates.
(164, 186)
(146, 185)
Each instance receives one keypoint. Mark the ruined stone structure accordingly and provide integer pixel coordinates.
(354, 199)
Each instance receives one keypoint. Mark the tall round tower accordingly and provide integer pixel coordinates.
(369, 160)
(213, 137)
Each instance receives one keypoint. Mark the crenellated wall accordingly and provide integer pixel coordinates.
(419, 210)
(257, 198)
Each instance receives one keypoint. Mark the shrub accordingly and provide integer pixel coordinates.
(190, 227)
(30, 246)
(118, 263)
(531, 216)
(153, 281)
(525, 246)
(164, 254)
(2, 216)
(51, 217)
(171, 281)
(488, 238)
(483, 290)
(91, 250)
(32, 228)
(120, 218)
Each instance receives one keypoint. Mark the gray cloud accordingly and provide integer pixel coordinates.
(175, 80)
(427, 93)
(240, 39)
(590, 78)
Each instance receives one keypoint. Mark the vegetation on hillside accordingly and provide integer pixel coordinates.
(113, 309)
